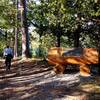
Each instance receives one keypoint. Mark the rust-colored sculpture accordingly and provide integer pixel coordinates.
(60, 57)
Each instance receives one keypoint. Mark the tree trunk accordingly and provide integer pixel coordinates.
(16, 32)
(16, 43)
(77, 36)
(99, 51)
(58, 34)
(76, 39)
(25, 34)
(99, 62)
(96, 8)
(6, 38)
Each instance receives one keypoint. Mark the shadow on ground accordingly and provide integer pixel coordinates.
(34, 80)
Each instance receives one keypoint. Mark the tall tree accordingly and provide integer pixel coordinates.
(97, 17)
(25, 34)
(16, 30)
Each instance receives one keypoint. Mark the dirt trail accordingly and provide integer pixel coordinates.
(35, 80)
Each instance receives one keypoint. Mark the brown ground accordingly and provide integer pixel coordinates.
(33, 80)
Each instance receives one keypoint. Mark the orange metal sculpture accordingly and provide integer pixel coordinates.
(60, 57)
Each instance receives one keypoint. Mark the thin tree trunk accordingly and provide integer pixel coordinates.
(58, 38)
(58, 34)
(58, 29)
(6, 38)
(76, 40)
(16, 43)
(77, 36)
(16, 32)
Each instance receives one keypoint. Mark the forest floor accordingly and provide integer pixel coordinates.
(34, 80)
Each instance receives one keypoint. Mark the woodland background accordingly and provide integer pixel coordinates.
(31, 27)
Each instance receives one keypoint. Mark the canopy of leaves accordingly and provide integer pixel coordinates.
(7, 14)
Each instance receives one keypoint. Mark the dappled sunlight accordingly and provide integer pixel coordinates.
(34, 80)
(20, 83)
(89, 87)
(92, 89)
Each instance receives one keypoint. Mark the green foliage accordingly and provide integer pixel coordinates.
(49, 15)
(65, 42)
(69, 14)
(39, 52)
(2, 46)
(40, 48)
(7, 14)
(48, 41)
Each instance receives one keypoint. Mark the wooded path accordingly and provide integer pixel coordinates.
(35, 80)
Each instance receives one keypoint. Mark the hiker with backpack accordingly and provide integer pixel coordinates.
(8, 55)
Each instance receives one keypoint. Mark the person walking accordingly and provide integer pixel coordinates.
(8, 55)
